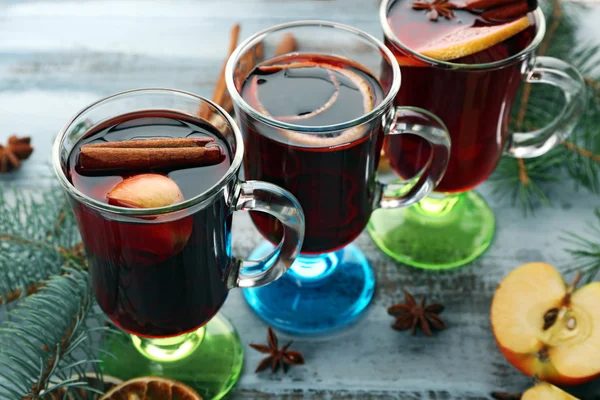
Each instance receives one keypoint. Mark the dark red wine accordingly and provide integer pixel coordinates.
(474, 105)
(156, 276)
(331, 174)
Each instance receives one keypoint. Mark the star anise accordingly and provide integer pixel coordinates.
(436, 8)
(276, 356)
(16, 150)
(411, 315)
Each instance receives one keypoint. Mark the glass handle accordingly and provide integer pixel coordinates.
(273, 200)
(564, 76)
(422, 123)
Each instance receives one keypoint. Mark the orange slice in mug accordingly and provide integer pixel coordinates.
(470, 40)
(308, 139)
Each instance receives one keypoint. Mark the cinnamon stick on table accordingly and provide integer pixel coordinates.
(287, 44)
(133, 155)
(220, 91)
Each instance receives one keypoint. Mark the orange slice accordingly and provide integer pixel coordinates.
(467, 41)
(151, 388)
(315, 140)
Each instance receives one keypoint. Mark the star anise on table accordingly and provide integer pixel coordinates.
(277, 357)
(436, 8)
(410, 315)
(16, 150)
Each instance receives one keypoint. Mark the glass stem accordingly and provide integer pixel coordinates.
(314, 268)
(439, 204)
(169, 349)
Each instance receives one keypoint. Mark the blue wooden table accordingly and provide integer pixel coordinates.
(58, 56)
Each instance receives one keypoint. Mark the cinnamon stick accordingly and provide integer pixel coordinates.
(509, 11)
(221, 88)
(135, 155)
(287, 44)
(153, 143)
(220, 95)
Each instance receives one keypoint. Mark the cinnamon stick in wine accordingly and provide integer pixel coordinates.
(509, 11)
(134, 155)
(151, 143)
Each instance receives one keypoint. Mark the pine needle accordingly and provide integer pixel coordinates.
(38, 239)
(585, 248)
(528, 183)
(39, 338)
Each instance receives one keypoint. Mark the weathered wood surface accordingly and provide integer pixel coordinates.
(57, 56)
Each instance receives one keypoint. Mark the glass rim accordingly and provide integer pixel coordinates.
(259, 37)
(201, 197)
(389, 34)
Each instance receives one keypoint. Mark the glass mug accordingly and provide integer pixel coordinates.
(168, 300)
(454, 225)
(331, 283)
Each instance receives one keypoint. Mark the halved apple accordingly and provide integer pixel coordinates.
(546, 391)
(547, 328)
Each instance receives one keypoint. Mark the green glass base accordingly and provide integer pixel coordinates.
(209, 360)
(436, 233)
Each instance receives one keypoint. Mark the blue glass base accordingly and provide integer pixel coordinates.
(318, 295)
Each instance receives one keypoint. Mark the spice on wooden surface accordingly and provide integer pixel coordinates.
(247, 63)
(412, 315)
(287, 44)
(220, 92)
(16, 150)
(277, 357)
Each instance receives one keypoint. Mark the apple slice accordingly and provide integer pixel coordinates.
(145, 191)
(546, 328)
(546, 391)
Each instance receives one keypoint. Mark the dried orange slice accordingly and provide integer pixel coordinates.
(470, 40)
(151, 388)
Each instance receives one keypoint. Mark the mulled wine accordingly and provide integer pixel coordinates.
(331, 174)
(164, 275)
(474, 104)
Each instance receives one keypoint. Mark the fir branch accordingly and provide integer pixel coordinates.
(582, 152)
(584, 148)
(586, 250)
(40, 339)
(556, 19)
(594, 84)
(38, 239)
(526, 182)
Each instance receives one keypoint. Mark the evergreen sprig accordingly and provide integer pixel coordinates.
(45, 343)
(526, 182)
(585, 248)
(38, 239)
